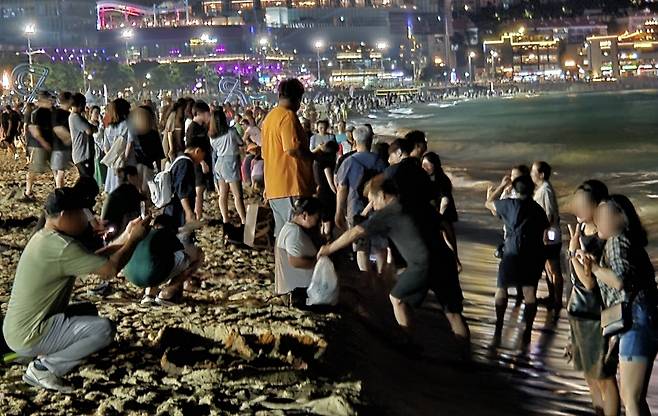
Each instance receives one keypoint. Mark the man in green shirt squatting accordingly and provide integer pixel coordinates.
(40, 323)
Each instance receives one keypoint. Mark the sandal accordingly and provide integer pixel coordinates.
(177, 299)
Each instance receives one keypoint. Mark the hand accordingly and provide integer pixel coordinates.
(506, 181)
(47, 147)
(205, 168)
(490, 191)
(324, 251)
(138, 228)
(586, 260)
(574, 243)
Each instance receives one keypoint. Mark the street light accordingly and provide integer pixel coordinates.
(318, 45)
(30, 30)
(382, 46)
(471, 55)
(126, 35)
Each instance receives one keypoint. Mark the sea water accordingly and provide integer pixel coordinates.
(611, 136)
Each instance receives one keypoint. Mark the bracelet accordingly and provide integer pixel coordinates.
(571, 254)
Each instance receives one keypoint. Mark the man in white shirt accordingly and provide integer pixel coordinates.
(545, 197)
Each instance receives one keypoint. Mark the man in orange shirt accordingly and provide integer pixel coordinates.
(288, 160)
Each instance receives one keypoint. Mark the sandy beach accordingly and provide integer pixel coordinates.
(232, 349)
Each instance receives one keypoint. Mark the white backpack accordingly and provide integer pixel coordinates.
(161, 187)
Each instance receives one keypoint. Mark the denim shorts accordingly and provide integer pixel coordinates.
(639, 343)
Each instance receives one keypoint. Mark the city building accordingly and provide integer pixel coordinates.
(519, 57)
(56, 23)
(627, 55)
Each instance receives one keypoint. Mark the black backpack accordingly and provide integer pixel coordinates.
(366, 176)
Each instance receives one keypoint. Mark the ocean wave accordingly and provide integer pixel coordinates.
(402, 110)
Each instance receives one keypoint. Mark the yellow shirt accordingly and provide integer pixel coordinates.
(285, 176)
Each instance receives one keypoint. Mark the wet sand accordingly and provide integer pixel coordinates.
(231, 349)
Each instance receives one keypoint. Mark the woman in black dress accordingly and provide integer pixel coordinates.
(523, 256)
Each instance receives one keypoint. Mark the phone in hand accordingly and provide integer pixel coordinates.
(142, 209)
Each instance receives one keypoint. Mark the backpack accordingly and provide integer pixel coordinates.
(161, 186)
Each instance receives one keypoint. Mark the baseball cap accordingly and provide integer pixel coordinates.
(64, 199)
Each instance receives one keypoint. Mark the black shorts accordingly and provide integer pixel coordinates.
(444, 282)
(411, 287)
(86, 168)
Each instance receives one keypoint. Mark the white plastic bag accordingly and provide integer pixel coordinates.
(323, 289)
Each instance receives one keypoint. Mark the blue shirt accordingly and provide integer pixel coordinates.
(350, 174)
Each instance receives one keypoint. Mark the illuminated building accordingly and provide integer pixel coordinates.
(520, 57)
(57, 23)
(626, 55)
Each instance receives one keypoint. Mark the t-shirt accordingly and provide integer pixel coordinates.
(525, 223)
(153, 259)
(147, 147)
(285, 176)
(443, 189)
(15, 119)
(293, 241)
(414, 184)
(317, 140)
(197, 130)
(545, 197)
(253, 132)
(227, 144)
(60, 119)
(324, 161)
(43, 119)
(341, 137)
(350, 174)
(82, 144)
(400, 228)
(183, 184)
(44, 280)
(121, 206)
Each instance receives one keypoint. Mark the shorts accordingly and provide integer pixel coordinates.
(39, 159)
(553, 252)
(60, 160)
(639, 343)
(200, 178)
(181, 263)
(227, 169)
(444, 282)
(282, 210)
(86, 168)
(362, 244)
(145, 174)
(517, 270)
(411, 287)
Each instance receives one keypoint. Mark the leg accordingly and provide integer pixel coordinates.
(29, 183)
(198, 204)
(610, 395)
(596, 394)
(450, 237)
(633, 375)
(282, 209)
(500, 301)
(223, 200)
(236, 190)
(530, 311)
(363, 260)
(458, 325)
(72, 339)
(402, 313)
(555, 274)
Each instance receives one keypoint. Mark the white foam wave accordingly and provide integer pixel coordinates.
(402, 110)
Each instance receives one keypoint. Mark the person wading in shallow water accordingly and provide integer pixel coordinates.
(523, 254)
(40, 323)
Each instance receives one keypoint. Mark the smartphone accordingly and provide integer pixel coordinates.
(552, 235)
(142, 209)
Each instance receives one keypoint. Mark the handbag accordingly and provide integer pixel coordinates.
(584, 303)
(617, 319)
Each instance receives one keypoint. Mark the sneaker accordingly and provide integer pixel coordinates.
(147, 301)
(102, 290)
(176, 300)
(44, 379)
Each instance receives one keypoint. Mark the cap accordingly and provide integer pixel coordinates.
(252, 147)
(63, 199)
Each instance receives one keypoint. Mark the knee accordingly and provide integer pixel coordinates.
(395, 301)
(106, 331)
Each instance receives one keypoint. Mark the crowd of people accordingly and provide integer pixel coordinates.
(386, 208)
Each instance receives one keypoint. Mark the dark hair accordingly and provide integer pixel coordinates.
(325, 122)
(87, 190)
(121, 110)
(405, 146)
(331, 147)
(434, 159)
(310, 205)
(126, 171)
(416, 136)
(524, 169)
(78, 101)
(95, 107)
(634, 229)
(194, 142)
(199, 107)
(218, 123)
(291, 88)
(524, 187)
(596, 191)
(165, 221)
(544, 168)
(65, 97)
(381, 148)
